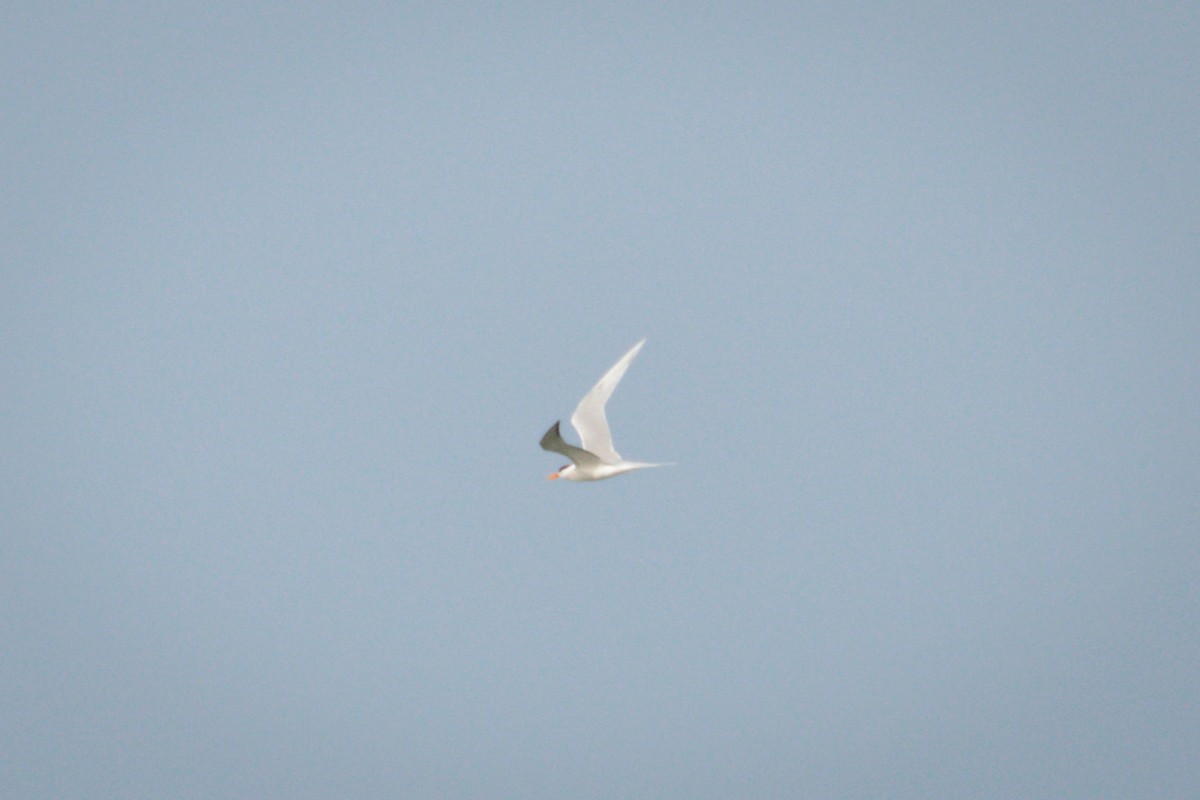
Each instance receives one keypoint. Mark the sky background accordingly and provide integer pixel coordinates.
(290, 293)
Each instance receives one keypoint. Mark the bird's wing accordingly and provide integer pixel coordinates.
(589, 417)
(554, 442)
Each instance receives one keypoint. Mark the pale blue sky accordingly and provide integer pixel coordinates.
(291, 293)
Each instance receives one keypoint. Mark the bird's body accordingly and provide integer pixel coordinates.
(596, 459)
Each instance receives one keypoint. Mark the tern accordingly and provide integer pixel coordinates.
(597, 459)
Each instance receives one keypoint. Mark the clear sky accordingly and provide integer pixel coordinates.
(291, 291)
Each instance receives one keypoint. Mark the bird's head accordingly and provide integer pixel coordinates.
(563, 472)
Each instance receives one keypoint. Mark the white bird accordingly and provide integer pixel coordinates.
(597, 459)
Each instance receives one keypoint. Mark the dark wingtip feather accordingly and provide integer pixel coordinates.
(550, 436)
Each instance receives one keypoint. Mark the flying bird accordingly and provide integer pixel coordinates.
(597, 459)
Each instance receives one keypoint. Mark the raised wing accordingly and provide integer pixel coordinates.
(589, 417)
(554, 442)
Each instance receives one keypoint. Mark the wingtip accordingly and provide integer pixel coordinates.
(550, 435)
